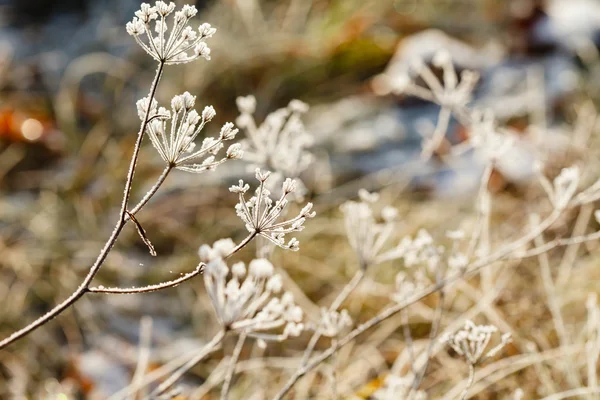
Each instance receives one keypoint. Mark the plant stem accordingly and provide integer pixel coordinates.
(82, 289)
(349, 288)
(206, 350)
(231, 368)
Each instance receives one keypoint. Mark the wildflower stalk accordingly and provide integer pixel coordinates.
(503, 253)
(339, 300)
(231, 368)
(123, 217)
(206, 350)
(469, 383)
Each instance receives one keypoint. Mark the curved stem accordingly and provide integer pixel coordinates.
(149, 288)
(242, 244)
(502, 253)
(161, 179)
(465, 391)
(82, 289)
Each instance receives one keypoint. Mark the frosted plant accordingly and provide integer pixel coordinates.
(399, 388)
(563, 188)
(451, 94)
(366, 236)
(333, 322)
(471, 342)
(280, 143)
(260, 214)
(175, 141)
(180, 44)
(407, 286)
(486, 138)
(246, 299)
(420, 250)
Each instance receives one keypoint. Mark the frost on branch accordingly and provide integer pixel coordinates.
(247, 299)
(173, 132)
(280, 143)
(178, 45)
(261, 214)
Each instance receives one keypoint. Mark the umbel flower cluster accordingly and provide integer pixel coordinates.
(472, 341)
(180, 44)
(249, 299)
(173, 132)
(280, 143)
(367, 236)
(261, 214)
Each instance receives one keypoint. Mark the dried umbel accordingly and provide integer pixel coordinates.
(248, 299)
(333, 322)
(472, 341)
(261, 214)
(173, 133)
(280, 143)
(367, 236)
(180, 44)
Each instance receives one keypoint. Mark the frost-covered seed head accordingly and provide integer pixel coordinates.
(235, 151)
(208, 113)
(228, 131)
(246, 104)
(261, 268)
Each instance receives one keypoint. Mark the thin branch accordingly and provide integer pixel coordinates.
(231, 368)
(82, 289)
(149, 288)
(502, 253)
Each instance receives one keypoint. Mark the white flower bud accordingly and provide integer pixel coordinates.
(235, 151)
(298, 106)
(289, 185)
(228, 131)
(224, 246)
(202, 50)
(188, 100)
(163, 8)
(238, 269)
(135, 27)
(206, 30)
(261, 268)
(208, 113)
(274, 284)
(246, 104)
(189, 11)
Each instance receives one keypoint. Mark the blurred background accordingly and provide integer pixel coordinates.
(69, 79)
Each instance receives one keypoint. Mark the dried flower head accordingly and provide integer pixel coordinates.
(248, 300)
(280, 143)
(472, 340)
(180, 44)
(366, 236)
(333, 322)
(260, 214)
(173, 132)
